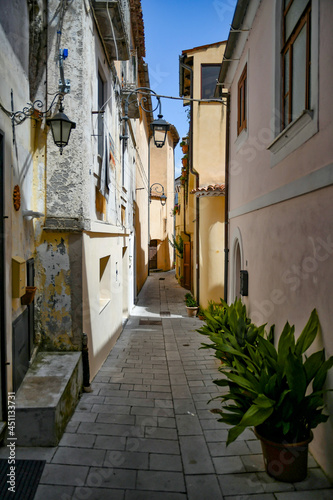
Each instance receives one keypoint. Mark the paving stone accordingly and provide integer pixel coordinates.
(316, 479)
(321, 494)
(260, 496)
(181, 392)
(188, 425)
(110, 429)
(109, 418)
(113, 409)
(200, 487)
(220, 449)
(239, 484)
(52, 492)
(195, 455)
(228, 465)
(216, 435)
(165, 462)
(110, 442)
(160, 433)
(66, 475)
(129, 401)
(80, 416)
(126, 460)
(77, 440)
(154, 495)
(166, 422)
(78, 456)
(110, 477)
(161, 481)
(184, 407)
(152, 445)
(155, 412)
(253, 463)
(95, 494)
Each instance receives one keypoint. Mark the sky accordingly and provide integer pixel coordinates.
(172, 26)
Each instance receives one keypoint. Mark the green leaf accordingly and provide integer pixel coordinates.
(267, 349)
(286, 341)
(256, 415)
(264, 402)
(313, 364)
(234, 433)
(308, 334)
(320, 378)
(243, 382)
(296, 376)
(221, 382)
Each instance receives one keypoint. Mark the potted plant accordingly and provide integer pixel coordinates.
(278, 391)
(191, 305)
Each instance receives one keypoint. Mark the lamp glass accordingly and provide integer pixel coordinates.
(61, 127)
(163, 200)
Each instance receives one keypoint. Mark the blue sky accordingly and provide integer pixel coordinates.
(172, 26)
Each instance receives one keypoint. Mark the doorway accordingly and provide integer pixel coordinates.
(153, 254)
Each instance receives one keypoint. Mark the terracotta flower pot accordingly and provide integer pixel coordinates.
(192, 311)
(29, 295)
(287, 462)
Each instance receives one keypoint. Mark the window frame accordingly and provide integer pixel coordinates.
(242, 101)
(287, 46)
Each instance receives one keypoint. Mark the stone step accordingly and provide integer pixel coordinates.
(47, 398)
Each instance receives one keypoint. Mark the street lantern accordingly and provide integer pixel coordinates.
(160, 129)
(158, 188)
(61, 127)
(163, 199)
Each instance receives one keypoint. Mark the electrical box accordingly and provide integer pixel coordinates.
(244, 283)
(18, 277)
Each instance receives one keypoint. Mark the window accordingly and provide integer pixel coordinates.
(296, 59)
(209, 76)
(242, 102)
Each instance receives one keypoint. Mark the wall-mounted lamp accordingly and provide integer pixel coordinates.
(60, 124)
(158, 190)
(61, 127)
(159, 127)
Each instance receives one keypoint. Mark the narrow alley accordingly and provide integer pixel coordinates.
(145, 431)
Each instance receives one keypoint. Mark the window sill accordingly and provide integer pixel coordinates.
(241, 138)
(290, 131)
(293, 136)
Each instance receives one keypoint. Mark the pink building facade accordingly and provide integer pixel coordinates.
(280, 170)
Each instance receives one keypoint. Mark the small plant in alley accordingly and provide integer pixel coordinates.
(178, 245)
(278, 391)
(190, 300)
(191, 304)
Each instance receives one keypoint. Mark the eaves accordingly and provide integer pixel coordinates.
(241, 26)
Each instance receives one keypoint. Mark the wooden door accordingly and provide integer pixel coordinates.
(153, 254)
(187, 265)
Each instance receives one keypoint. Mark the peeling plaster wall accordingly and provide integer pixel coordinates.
(59, 302)
(78, 233)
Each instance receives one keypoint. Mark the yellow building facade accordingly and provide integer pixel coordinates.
(200, 221)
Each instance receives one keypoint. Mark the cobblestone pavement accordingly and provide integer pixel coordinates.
(146, 432)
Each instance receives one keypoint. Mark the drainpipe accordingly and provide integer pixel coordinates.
(226, 203)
